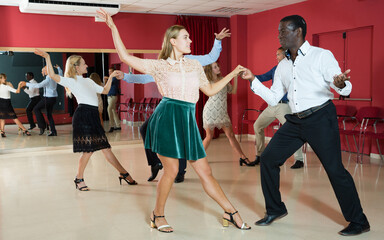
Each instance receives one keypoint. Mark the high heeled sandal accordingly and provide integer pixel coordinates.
(124, 177)
(2, 133)
(160, 228)
(244, 161)
(26, 133)
(226, 222)
(79, 180)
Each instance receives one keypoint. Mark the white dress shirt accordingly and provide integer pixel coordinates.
(32, 92)
(307, 80)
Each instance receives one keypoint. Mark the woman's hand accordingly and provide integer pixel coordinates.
(42, 53)
(238, 70)
(106, 17)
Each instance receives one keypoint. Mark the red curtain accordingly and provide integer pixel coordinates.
(201, 31)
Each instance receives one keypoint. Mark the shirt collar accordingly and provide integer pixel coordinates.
(173, 62)
(303, 50)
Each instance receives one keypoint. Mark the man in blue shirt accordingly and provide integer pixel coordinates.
(113, 94)
(270, 114)
(204, 60)
(47, 102)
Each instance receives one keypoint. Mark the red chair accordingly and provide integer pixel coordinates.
(135, 110)
(369, 117)
(378, 135)
(151, 107)
(125, 107)
(346, 116)
(245, 120)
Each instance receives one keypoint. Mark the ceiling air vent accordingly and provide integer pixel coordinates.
(229, 10)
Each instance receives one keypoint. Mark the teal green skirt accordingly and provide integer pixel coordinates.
(172, 131)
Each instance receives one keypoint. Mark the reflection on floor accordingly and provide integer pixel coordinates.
(38, 199)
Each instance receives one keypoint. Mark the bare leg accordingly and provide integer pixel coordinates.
(2, 124)
(213, 189)
(111, 158)
(17, 121)
(83, 161)
(208, 138)
(171, 168)
(232, 140)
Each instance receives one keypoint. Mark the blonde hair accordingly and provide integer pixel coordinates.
(96, 78)
(167, 48)
(209, 72)
(70, 66)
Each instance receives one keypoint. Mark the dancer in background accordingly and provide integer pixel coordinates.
(96, 78)
(215, 113)
(6, 109)
(88, 134)
(172, 130)
(34, 98)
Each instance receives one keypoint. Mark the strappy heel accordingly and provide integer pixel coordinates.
(2, 133)
(244, 161)
(160, 228)
(124, 177)
(226, 222)
(77, 181)
(26, 133)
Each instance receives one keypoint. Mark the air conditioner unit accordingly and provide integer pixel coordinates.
(78, 8)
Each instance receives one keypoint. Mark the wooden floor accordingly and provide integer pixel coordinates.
(38, 200)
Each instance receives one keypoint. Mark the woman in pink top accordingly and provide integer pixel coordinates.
(172, 130)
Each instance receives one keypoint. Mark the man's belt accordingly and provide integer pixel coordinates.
(311, 110)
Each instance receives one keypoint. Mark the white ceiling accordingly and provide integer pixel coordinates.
(187, 7)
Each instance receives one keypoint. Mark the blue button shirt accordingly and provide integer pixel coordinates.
(268, 76)
(48, 84)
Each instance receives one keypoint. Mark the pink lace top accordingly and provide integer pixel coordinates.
(179, 80)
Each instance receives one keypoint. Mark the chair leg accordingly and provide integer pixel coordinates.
(378, 147)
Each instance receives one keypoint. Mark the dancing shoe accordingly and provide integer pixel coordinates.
(355, 229)
(111, 129)
(257, 160)
(2, 133)
(247, 163)
(298, 164)
(117, 128)
(32, 127)
(124, 177)
(52, 134)
(268, 219)
(77, 182)
(162, 228)
(244, 226)
(155, 170)
(42, 130)
(25, 132)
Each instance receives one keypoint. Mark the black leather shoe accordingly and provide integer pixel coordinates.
(111, 129)
(155, 170)
(179, 178)
(298, 164)
(355, 229)
(268, 219)
(257, 160)
(52, 134)
(31, 128)
(42, 130)
(117, 128)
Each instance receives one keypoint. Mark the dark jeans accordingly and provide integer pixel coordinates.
(321, 131)
(32, 103)
(152, 157)
(47, 103)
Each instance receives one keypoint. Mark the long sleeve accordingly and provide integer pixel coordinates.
(208, 58)
(41, 84)
(266, 76)
(60, 71)
(138, 78)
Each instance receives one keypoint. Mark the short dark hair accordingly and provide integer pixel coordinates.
(30, 74)
(281, 49)
(297, 22)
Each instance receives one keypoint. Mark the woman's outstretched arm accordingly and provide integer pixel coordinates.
(135, 62)
(51, 72)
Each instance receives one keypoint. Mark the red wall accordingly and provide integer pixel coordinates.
(321, 16)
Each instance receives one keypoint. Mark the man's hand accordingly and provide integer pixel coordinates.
(223, 34)
(247, 74)
(339, 80)
(56, 66)
(22, 84)
(119, 74)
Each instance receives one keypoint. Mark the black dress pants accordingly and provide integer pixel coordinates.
(47, 103)
(321, 131)
(32, 103)
(152, 157)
